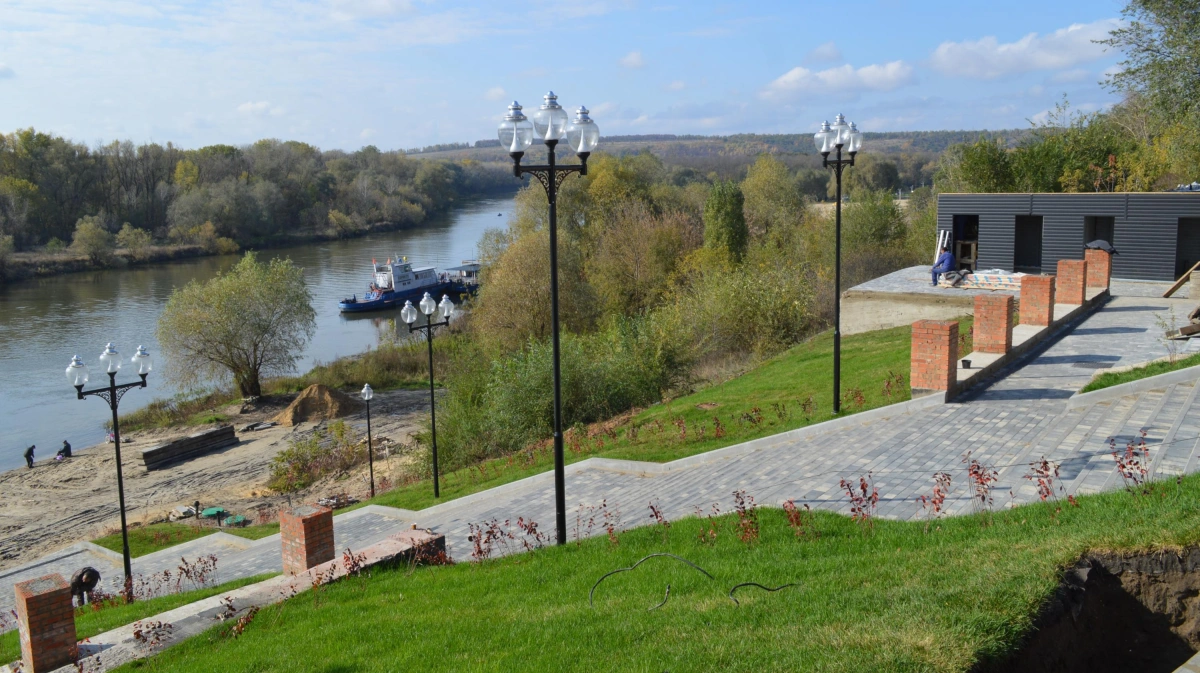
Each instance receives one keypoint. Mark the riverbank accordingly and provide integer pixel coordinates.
(60, 503)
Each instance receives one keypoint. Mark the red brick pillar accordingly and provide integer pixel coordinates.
(1072, 279)
(1099, 267)
(993, 323)
(1037, 300)
(46, 620)
(934, 356)
(307, 536)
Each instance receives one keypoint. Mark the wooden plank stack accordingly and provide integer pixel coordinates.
(198, 444)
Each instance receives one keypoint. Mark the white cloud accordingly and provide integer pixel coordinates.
(633, 60)
(6, 72)
(345, 10)
(366, 133)
(845, 79)
(258, 108)
(677, 85)
(1070, 76)
(987, 58)
(495, 93)
(826, 53)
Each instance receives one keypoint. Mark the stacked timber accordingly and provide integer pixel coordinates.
(162, 455)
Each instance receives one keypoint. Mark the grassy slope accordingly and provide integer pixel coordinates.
(1112, 379)
(149, 539)
(788, 379)
(897, 599)
(89, 623)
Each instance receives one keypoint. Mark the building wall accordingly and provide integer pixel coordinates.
(1062, 223)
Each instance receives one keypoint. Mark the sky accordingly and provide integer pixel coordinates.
(410, 73)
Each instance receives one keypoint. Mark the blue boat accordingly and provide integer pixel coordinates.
(397, 281)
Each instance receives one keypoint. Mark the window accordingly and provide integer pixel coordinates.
(1098, 228)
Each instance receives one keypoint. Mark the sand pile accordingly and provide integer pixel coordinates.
(318, 403)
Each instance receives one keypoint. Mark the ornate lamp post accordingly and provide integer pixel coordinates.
(409, 314)
(516, 133)
(77, 375)
(367, 394)
(829, 139)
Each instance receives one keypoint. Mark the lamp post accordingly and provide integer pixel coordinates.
(829, 139)
(367, 394)
(409, 314)
(516, 133)
(77, 375)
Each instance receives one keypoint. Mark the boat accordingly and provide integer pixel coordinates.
(397, 281)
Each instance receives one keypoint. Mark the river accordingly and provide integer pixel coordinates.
(44, 322)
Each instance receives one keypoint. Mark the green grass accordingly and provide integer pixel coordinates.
(786, 380)
(89, 623)
(895, 599)
(1154, 369)
(149, 539)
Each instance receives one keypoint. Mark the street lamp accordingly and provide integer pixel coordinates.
(367, 394)
(516, 133)
(77, 375)
(830, 139)
(409, 314)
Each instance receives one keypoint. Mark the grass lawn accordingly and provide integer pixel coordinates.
(148, 539)
(769, 399)
(1153, 369)
(895, 598)
(89, 623)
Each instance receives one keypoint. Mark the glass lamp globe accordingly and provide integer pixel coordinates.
(550, 120)
(111, 359)
(77, 372)
(141, 359)
(821, 138)
(446, 306)
(408, 313)
(841, 130)
(516, 131)
(855, 138)
(428, 306)
(367, 393)
(583, 135)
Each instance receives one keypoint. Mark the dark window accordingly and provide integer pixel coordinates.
(1098, 228)
(966, 241)
(1187, 245)
(1027, 246)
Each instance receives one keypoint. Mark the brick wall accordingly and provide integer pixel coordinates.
(934, 355)
(993, 323)
(1037, 300)
(1099, 268)
(46, 621)
(1071, 281)
(306, 533)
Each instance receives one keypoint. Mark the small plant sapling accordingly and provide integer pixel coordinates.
(708, 536)
(808, 407)
(747, 517)
(981, 479)
(801, 520)
(864, 498)
(1044, 474)
(934, 504)
(1132, 463)
(664, 526)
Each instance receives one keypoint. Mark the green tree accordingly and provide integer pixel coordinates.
(1161, 41)
(187, 175)
(6, 251)
(93, 240)
(136, 241)
(248, 323)
(773, 198)
(724, 220)
(984, 166)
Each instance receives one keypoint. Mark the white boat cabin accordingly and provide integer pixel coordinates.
(401, 276)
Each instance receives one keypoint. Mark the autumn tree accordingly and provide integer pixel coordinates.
(724, 220)
(772, 197)
(93, 240)
(250, 322)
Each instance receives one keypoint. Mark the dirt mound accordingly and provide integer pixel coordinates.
(318, 403)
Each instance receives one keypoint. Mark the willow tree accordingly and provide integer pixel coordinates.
(250, 322)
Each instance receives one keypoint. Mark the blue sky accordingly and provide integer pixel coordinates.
(408, 73)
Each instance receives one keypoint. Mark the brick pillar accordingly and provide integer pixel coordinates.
(1072, 279)
(934, 356)
(1099, 267)
(307, 536)
(46, 620)
(1037, 300)
(993, 323)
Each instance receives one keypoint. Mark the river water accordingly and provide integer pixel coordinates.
(44, 322)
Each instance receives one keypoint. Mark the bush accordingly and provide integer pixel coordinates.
(136, 241)
(6, 251)
(324, 452)
(93, 240)
(55, 245)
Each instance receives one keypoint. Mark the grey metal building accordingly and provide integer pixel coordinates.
(1156, 234)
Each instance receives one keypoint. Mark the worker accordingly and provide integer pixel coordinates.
(944, 264)
(29, 455)
(65, 451)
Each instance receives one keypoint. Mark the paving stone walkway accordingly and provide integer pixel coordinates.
(1020, 417)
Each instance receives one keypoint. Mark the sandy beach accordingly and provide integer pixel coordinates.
(60, 503)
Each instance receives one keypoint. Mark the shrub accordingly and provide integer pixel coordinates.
(6, 251)
(136, 241)
(93, 240)
(308, 459)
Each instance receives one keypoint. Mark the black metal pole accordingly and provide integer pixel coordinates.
(837, 292)
(370, 451)
(437, 493)
(112, 391)
(560, 498)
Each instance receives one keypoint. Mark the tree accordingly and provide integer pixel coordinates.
(984, 166)
(635, 255)
(6, 251)
(248, 323)
(136, 241)
(93, 240)
(1161, 41)
(724, 221)
(773, 198)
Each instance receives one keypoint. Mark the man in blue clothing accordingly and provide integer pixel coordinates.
(945, 263)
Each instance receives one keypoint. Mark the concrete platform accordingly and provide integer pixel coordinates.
(902, 298)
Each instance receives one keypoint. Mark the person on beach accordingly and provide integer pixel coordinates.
(29, 455)
(65, 451)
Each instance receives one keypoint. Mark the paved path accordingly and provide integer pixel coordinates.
(1019, 418)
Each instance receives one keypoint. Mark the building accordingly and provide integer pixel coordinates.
(1156, 234)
